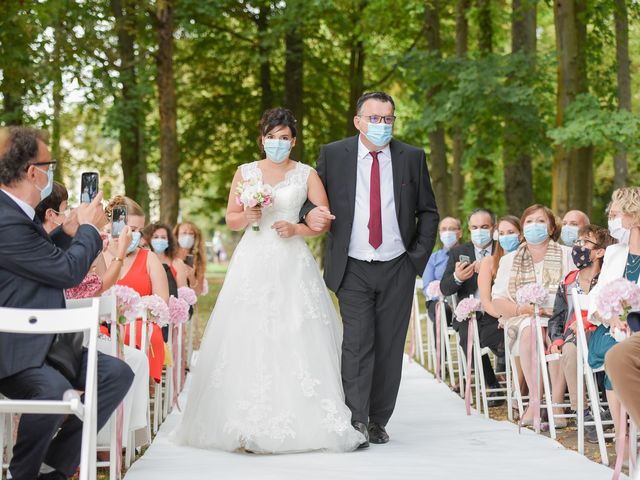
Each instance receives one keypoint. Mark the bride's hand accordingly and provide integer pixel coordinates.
(253, 214)
(284, 229)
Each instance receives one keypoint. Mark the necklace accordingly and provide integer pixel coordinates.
(633, 265)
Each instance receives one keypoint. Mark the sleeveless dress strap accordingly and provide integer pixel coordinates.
(250, 171)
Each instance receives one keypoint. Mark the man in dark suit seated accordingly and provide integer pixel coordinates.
(461, 278)
(34, 270)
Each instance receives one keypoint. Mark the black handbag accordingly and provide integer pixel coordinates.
(65, 354)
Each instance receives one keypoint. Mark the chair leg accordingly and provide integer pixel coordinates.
(156, 407)
(480, 371)
(546, 384)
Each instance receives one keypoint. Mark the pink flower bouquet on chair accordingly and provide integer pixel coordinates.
(618, 298)
(157, 309)
(254, 193)
(188, 295)
(128, 303)
(178, 310)
(531, 294)
(466, 308)
(433, 290)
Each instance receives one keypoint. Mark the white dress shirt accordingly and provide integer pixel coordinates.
(392, 245)
(24, 206)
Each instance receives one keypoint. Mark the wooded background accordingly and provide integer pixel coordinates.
(514, 101)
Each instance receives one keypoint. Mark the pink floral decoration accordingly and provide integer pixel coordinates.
(618, 298)
(157, 309)
(433, 290)
(466, 308)
(531, 294)
(188, 295)
(178, 310)
(127, 301)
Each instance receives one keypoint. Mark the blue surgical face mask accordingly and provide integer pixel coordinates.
(481, 237)
(48, 188)
(277, 150)
(448, 239)
(536, 233)
(159, 245)
(379, 133)
(569, 235)
(135, 241)
(510, 242)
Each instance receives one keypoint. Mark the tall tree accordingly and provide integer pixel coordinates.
(572, 168)
(517, 159)
(440, 178)
(294, 71)
(167, 103)
(624, 85)
(356, 64)
(264, 50)
(131, 118)
(462, 46)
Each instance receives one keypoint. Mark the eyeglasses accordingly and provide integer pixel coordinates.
(53, 164)
(582, 242)
(388, 119)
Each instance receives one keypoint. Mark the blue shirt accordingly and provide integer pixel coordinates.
(435, 268)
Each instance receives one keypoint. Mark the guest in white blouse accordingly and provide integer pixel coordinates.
(539, 259)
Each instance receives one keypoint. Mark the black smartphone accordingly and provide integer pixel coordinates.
(118, 220)
(88, 187)
(189, 260)
(464, 259)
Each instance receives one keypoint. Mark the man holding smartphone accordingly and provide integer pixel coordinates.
(461, 278)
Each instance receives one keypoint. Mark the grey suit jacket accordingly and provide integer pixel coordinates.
(35, 268)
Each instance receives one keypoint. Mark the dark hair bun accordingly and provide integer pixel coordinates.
(278, 117)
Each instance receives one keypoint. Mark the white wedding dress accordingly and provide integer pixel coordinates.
(268, 372)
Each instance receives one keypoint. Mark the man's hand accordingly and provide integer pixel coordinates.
(70, 224)
(464, 271)
(319, 219)
(555, 349)
(92, 213)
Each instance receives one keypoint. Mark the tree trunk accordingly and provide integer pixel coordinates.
(56, 151)
(131, 121)
(572, 169)
(518, 175)
(624, 86)
(485, 27)
(462, 45)
(264, 51)
(439, 170)
(294, 76)
(356, 68)
(169, 156)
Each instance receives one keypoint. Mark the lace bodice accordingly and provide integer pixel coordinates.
(288, 195)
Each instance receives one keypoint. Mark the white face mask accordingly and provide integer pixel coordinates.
(186, 241)
(618, 232)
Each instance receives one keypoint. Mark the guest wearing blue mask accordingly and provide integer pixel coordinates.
(572, 222)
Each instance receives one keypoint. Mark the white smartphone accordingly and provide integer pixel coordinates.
(464, 259)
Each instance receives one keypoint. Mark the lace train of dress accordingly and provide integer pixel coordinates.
(268, 373)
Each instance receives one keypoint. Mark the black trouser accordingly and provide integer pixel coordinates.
(375, 304)
(431, 308)
(490, 336)
(36, 443)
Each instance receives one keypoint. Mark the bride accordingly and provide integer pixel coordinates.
(268, 374)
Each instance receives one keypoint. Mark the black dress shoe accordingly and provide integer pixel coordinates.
(55, 475)
(362, 428)
(377, 433)
(495, 403)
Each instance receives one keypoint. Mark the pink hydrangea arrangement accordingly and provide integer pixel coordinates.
(531, 294)
(178, 310)
(188, 295)
(157, 309)
(618, 298)
(127, 301)
(433, 290)
(466, 308)
(254, 193)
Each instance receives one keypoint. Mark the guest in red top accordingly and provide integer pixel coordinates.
(142, 271)
(162, 241)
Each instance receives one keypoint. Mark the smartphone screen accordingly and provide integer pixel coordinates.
(88, 187)
(118, 220)
(464, 259)
(189, 260)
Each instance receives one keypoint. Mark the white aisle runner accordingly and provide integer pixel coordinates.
(431, 438)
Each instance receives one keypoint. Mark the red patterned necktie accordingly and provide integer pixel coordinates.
(375, 210)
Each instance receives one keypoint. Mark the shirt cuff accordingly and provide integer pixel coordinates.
(457, 280)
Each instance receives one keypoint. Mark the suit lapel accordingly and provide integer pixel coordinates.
(397, 166)
(351, 174)
(36, 221)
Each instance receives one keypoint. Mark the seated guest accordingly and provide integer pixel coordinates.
(622, 364)
(573, 221)
(450, 233)
(34, 269)
(53, 210)
(460, 277)
(143, 272)
(620, 261)
(588, 252)
(539, 259)
(191, 250)
(163, 243)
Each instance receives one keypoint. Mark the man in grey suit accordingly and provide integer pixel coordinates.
(385, 223)
(34, 270)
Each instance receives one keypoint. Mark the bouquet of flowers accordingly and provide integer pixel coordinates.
(188, 295)
(618, 298)
(254, 193)
(531, 294)
(157, 309)
(178, 310)
(127, 301)
(433, 290)
(466, 308)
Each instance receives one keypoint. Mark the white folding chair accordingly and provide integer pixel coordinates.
(478, 353)
(417, 318)
(513, 382)
(581, 302)
(54, 321)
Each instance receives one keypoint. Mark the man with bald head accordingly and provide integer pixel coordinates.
(573, 221)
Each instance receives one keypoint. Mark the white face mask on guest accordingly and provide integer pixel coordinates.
(186, 240)
(618, 232)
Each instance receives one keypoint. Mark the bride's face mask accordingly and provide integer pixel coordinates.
(278, 143)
